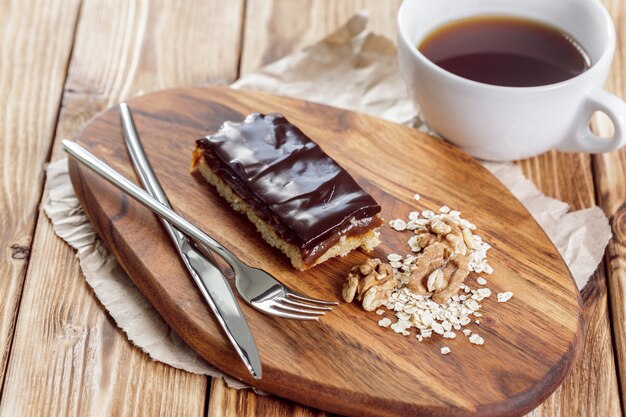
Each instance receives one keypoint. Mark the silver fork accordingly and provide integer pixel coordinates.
(258, 288)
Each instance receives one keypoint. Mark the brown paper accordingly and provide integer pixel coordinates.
(354, 69)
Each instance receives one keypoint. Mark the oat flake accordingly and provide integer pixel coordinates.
(503, 297)
(476, 339)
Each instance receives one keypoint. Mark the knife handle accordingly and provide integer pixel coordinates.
(82, 155)
(146, 174)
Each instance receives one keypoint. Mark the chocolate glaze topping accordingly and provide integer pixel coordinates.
(289, 182)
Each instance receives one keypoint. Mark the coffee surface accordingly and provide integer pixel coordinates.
(506, 51)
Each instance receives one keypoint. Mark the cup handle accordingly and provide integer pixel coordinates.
(583, 139)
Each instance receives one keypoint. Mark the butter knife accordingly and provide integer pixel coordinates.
(213, 286)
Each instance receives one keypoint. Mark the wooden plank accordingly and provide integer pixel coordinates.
(591, 389)
(569, 178)
(35, 45)
(66, 349)
(227, 402)
(575, 182)
(275, 28)
(611, 185)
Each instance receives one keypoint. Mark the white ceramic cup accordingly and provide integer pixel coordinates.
(506, 123)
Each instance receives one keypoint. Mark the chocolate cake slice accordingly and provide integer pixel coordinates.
(299, 198)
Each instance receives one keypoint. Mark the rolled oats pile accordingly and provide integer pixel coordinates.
(426, 289)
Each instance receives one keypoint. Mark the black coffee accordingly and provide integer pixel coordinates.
(505, 51)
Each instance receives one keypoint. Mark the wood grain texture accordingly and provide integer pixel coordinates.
(591, 389)
(577, 179)
(611, 190)
(66, 350)
(72, 357)
(346, 355)
(275, 28)
(569, 178)
(35, 45)
(245, 403)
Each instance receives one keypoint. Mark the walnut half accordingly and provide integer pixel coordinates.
(442, 266)
(454, 273)
(371, 283)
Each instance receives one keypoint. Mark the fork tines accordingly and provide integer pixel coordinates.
(299, 307)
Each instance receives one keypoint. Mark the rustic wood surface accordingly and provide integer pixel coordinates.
(31, 86)
(346, 355)
(66, 349)
(121, 49)
(610, 170)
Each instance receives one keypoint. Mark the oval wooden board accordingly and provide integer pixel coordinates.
(344, 363)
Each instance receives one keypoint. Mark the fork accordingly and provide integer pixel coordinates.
(258, 288)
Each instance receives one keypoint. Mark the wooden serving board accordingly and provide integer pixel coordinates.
(344, 363)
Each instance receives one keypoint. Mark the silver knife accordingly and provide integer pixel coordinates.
(213, 286)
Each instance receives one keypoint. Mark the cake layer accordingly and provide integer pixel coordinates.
(288, 181)
(365, 239)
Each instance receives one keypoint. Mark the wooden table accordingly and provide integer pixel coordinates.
(62, 61)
